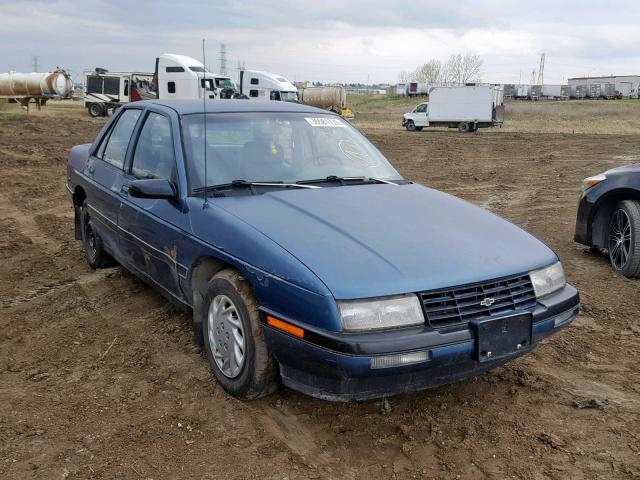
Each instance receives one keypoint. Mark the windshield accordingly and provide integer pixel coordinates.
(289, 96)
(286, 147)
(224, 83)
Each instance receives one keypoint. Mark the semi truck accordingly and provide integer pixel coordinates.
(258, 85)
(465, 107)
(175, 76)
(105, 91)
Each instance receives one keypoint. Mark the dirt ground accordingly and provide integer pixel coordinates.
(99, 378)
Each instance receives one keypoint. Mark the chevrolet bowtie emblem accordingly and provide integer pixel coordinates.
(487, 302)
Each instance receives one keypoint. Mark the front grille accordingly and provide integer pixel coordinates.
(460, 305)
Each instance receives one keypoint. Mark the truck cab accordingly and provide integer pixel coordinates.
(418, 118)
(257, 85)
(185, 78)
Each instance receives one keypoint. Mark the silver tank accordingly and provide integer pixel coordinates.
(50, 84)
(334, 98)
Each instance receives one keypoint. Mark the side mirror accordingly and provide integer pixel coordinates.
(153, 188)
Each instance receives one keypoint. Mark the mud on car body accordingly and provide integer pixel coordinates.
(303, 254)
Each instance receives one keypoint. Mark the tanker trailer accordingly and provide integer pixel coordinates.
(22, 87)
(330, 98)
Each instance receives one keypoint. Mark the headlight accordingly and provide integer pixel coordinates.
(589, 182)
(547, 280)
(376, 314)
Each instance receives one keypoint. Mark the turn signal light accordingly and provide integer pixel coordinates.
(285, 327)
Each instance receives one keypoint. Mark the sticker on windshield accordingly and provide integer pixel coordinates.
(324, 122)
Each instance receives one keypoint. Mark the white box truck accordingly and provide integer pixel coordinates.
(465, 107)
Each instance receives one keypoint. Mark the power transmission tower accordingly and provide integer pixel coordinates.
(223, 59)
(36, 58)
(541, 71)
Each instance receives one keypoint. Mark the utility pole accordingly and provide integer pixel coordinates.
(223, 59)
(36, 58)
(541, 71)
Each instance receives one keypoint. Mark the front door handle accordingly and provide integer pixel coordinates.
(124, 189)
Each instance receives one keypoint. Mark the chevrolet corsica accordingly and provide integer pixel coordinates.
(304, 256)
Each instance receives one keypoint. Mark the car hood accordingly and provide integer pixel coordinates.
(375, 240)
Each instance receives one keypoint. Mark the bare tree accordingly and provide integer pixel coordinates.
(430, 72)
(404, 76)
(463, 68)
(460, 68)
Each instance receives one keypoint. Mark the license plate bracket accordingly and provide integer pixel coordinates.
(502, 337)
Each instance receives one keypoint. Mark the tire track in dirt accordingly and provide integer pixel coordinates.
(277, 422)
(28, 227)
(281, 424)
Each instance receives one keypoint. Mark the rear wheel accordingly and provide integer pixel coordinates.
(96, 110)
(411, 126)
(464, 127)
(234, 341)
(419, 129)
(94, 251)
(624, 238)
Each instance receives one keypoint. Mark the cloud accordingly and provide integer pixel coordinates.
(329, 40)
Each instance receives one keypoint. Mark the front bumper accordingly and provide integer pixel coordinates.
(338, 366)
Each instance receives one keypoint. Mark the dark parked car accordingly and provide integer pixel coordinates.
(304, 256)
(609, 217)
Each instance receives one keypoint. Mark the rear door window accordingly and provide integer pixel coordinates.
(153, 157)
(118, 142)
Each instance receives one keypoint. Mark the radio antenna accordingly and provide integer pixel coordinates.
(204, 109)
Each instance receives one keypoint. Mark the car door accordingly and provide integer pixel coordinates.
(149, 234)
(421, 113)
(104, 170)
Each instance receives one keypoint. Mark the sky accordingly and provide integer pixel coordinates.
(327, 40)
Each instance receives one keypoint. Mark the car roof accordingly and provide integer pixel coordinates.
(186, 107)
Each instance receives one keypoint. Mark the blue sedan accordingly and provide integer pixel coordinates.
(304, 256)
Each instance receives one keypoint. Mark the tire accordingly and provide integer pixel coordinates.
(95, 110)
(464, 127)
(239, 330)
(419, 129)
(94, 251)
(623, 241)
(410, 126)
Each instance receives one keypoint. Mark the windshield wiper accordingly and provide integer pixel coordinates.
(342, 180)
(250, 185)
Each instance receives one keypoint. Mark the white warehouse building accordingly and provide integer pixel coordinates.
(627, 85)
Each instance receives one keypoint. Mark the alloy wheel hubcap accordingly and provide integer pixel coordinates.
(619, 238)
(226, 336)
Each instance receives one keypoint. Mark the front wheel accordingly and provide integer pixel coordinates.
(624, 238)
(411, 126)
(96, 110)
(234, 341)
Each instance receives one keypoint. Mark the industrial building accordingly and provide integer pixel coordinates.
(626, 85)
